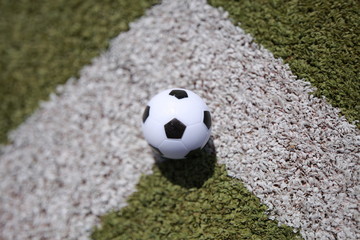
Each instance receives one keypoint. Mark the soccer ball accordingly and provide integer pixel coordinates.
(176, 122)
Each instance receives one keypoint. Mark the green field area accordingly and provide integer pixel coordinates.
(192, 199)
(320, 40)
(44, 43)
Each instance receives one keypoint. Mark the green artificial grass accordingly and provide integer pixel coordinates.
(191, 199)
(44, 43)
(319, 39)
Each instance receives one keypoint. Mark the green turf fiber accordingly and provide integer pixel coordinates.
(43, 43)
(319, 39)
(191, 199)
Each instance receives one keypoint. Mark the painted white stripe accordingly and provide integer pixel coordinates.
(82, 152)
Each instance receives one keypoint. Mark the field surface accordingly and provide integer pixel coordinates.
(282, 162)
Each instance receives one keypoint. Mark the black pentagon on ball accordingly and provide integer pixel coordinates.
(146, 113)
(174, 129)
(178, 93)
(207, 119)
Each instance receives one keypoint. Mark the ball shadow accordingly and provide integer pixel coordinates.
(191, 172)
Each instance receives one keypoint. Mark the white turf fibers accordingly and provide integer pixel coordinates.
(82, 152)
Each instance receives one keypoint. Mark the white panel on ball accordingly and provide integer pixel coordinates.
(154, 132)
(195, 136)
(173, 149)
(189, 111)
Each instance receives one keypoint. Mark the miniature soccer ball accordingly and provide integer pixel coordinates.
(176, 122)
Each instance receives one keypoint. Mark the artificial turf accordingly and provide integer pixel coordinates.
(44, 43)
(191, 199)
(319, 39)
